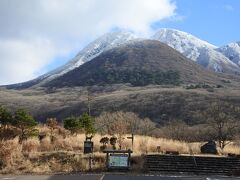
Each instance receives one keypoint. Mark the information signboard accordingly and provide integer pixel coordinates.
(88, 147)
(118, 160)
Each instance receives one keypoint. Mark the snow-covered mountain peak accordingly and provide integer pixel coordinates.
(196, 49)
(223, 59)
(232, 51)
(92, 50)
(105, 42)
(180, 37)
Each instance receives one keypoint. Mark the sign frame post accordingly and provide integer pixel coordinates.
(88, 149)
(118, 159)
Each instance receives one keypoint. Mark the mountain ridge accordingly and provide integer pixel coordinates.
(201, 52)
(232, 51)
(196, 49)
(148, 60)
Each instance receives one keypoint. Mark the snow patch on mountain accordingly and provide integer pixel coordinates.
(232, 51)
(105, 42)
(183, 42)
(196, 49)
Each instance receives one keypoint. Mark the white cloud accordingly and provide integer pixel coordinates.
(33, 33)
(21, 59)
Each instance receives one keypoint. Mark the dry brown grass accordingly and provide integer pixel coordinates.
(231, 148)
(11, 156)
(31, 145)
(65, 154)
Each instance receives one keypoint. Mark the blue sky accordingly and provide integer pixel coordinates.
(216, 21)
(39, 36)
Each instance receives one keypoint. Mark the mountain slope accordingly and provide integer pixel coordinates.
(103, 43)
(198, 50)
(203, 53)
(92, 50)
(232, 51)
(138, 63)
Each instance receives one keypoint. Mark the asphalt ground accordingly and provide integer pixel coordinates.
(112, 177)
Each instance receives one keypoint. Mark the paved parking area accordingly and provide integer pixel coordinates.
(111, 177)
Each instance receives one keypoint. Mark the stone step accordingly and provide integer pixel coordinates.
(197, 158)
(189, 170)
(193, 167)
(193, 172)
(197, 163)
(178, 163)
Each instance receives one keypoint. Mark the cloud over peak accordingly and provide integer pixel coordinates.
(34, 33)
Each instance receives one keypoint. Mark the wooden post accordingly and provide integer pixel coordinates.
(107, 156)
(90, 162)
(132, 140)
(129, 157)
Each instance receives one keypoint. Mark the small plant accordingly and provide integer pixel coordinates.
(104, 141)
(113, 142)
(226, 81)
(52, 124)
(219, 86)
(210, 89)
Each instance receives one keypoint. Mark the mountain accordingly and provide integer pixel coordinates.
(139, 63)
(147, 77)
(201, 52)
(232, 51)
(196, 49)
(92, 50)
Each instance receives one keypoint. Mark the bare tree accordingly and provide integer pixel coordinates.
(120, 129)
(146, 126)
(120, 123)
(134, 124)
(222, 119)
(176, 129)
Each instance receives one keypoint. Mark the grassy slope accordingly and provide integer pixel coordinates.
(66, 154)
(149, 101)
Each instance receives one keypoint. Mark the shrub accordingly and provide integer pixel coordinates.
(113, 142)
(79, 124)
(25, 123)
(87, 122)
(52, 125)
(30, 145)
(5, 116)
(104, 141)
(10, 152)
(72, 124)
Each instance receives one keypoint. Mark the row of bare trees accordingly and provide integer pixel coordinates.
(221, 124)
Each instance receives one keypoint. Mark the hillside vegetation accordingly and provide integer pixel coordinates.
(139, 63)
(55, 148)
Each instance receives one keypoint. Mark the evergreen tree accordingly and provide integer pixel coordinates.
(88, 124)
(78, 124)
(5, 117)
(25, 122)
(72, 124)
